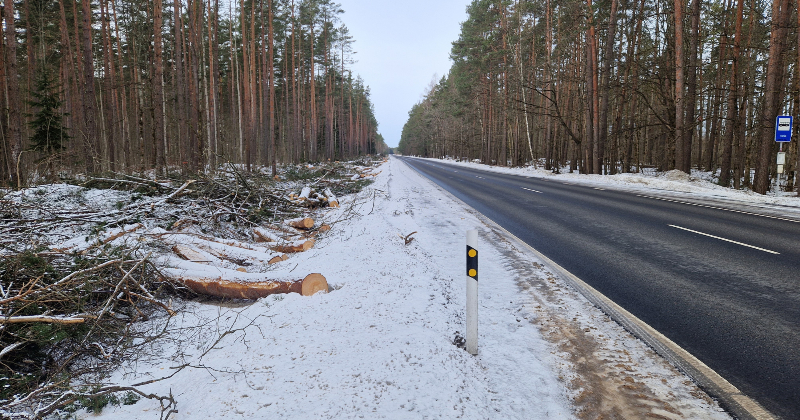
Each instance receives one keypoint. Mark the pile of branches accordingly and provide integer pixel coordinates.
(231, 200)
(67, 319)
(69, 316)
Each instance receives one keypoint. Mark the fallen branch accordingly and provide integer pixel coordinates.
(178, 191)
(42, 318)
(408, 237)
(119, 285)
(67, 278)
(167, 403)
(155, 302)
(9, 349)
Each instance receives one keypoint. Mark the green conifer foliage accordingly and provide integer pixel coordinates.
(49, 135)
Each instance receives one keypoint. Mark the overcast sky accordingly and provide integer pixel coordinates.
(400, 45)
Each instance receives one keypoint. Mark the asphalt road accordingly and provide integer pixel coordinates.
(723, 285)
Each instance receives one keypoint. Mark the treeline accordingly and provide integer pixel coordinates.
(617, 86)
(125, 85)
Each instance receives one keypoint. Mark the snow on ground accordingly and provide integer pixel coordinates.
(673, 184)
(380, 344)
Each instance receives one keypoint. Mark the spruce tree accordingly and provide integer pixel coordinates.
(49, 135)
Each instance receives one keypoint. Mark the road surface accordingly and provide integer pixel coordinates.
(724, 285)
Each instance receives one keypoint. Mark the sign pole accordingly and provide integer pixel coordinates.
(783, 134)
(472, 292)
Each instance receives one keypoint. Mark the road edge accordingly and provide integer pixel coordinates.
(729, 397)
(727, 204)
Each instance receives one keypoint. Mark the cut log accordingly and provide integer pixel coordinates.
(263, 235)
(324, 228)
(191, 254)
(236, 255)
(278, 259)
(314, 283)
(301, 223)
(293, 247)
(311, 284)
(282, 228)
(305, 193)
(332, 200)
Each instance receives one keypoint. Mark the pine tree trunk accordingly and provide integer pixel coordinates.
(272, 93)
(691, 84)
(109, 75)
(212, 83)
(5, 144)
(193, 85)
(122, 95)
(797, 113)
(591, 148)
(158, 92)
(89, 113)
(772, 95)
(731, 122)
(14, 135)
(245, 80)
(680, 61)
(252, 129)
(608, 58)
(313, 97)
(180, 86)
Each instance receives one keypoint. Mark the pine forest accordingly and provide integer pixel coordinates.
(131, 86)
(610, 86)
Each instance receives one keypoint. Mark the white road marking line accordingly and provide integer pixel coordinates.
(531, 190)
(721, 208)
(724, 239)
(476, 176)
(601, 189)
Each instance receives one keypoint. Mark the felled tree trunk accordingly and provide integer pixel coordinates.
(303, 223)
(332, 200)
(297, 246)
(278, 259)
(191, 254)
(308, 286)
(263, 235)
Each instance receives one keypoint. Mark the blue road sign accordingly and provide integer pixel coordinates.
(783, 128)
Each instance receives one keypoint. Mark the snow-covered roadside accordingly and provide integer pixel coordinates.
(674, 184)
(380, 345)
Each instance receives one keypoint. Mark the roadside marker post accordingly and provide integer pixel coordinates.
(472, 292)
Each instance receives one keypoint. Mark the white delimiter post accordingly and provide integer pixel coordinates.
(472, 292)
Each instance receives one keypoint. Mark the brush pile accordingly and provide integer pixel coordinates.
(83, 263)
